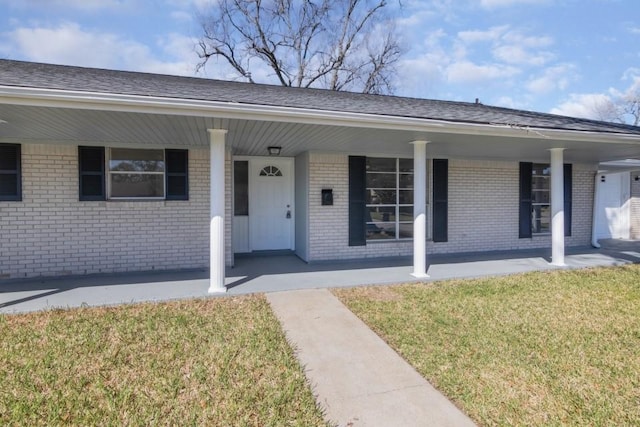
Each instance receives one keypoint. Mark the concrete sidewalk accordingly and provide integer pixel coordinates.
(357, 378)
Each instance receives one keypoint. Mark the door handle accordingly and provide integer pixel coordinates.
(289, 214)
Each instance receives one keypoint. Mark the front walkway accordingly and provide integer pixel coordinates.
(356, 377)
(286, 272)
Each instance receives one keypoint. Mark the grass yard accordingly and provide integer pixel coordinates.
(551, 348)
(204, 362)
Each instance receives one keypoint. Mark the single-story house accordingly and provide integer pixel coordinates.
(112, 171)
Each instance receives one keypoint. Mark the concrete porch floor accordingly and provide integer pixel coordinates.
(287, 272)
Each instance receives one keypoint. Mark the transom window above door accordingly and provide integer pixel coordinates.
(270, 171)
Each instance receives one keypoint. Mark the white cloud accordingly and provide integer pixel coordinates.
(468, 72)
(632, 74)
(491, 4)
(552, 79)
(527, 41)
(69, 44)
(517, 54)
(421, 76)
(83, 5)
(511, 46)
(585, 105)
(509, 102)
(190, 3)
(491, 35)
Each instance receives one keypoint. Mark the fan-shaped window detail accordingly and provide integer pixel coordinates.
(270, 171)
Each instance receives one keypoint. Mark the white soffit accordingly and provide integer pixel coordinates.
(229, 110)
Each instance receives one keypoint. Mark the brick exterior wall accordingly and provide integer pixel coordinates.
(51, 233)
(635, 206)
(483, 211)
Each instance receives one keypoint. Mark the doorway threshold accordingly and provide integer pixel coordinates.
(266, 253)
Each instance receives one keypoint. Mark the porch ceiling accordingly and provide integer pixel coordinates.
(37, 124)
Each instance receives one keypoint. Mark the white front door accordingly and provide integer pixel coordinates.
(613, 216)
(271, 215)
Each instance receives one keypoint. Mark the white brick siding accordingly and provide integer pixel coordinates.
(52, 233)
(483, 211)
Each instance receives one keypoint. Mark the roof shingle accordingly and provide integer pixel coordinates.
(47, 76)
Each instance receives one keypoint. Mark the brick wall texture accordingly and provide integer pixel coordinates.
(51, 233)
(483, 211)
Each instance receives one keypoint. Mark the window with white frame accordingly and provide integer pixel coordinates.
(541, 198)
(389, 198)
(136, 173)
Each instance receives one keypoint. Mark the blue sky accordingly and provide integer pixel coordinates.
(559, 56)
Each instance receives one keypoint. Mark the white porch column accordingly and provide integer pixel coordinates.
(420, 209)
(557, 207)
(216, 225)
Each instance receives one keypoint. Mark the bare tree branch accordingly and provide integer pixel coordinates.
(306, 43)
(621, 107)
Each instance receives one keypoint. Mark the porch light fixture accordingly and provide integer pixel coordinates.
(274, 151)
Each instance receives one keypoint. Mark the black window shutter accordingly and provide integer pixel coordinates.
(10, 173)
(91, 173)
(440, 200)
(568, 185)
(526, 170)
(177, 174)
(357, 204)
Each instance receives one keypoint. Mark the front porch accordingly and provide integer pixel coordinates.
(260, 273)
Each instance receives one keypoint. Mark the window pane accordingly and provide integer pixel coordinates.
(540, 183)
(381, 180)
(8, 184)
(406, 165)
(241, 188)
(405, 230)
(541, 219)
(177, 161)
(540, 196)
(541, 170)
(91, 159)
(380, 165)
(136, 185)
(406, 181)
(91, 185)
(406, 197)
(406, 213)
(177, 185)
(381, 197)
(130, 160)
(383, 213)
(8, 157)
(381, 230)
(136, 166)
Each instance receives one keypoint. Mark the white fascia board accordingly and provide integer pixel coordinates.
(230, 110)
(619, 166)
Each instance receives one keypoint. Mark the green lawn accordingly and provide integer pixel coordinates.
(204, 362)
(554, 348)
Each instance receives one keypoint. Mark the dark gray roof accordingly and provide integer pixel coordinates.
(47, 76)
